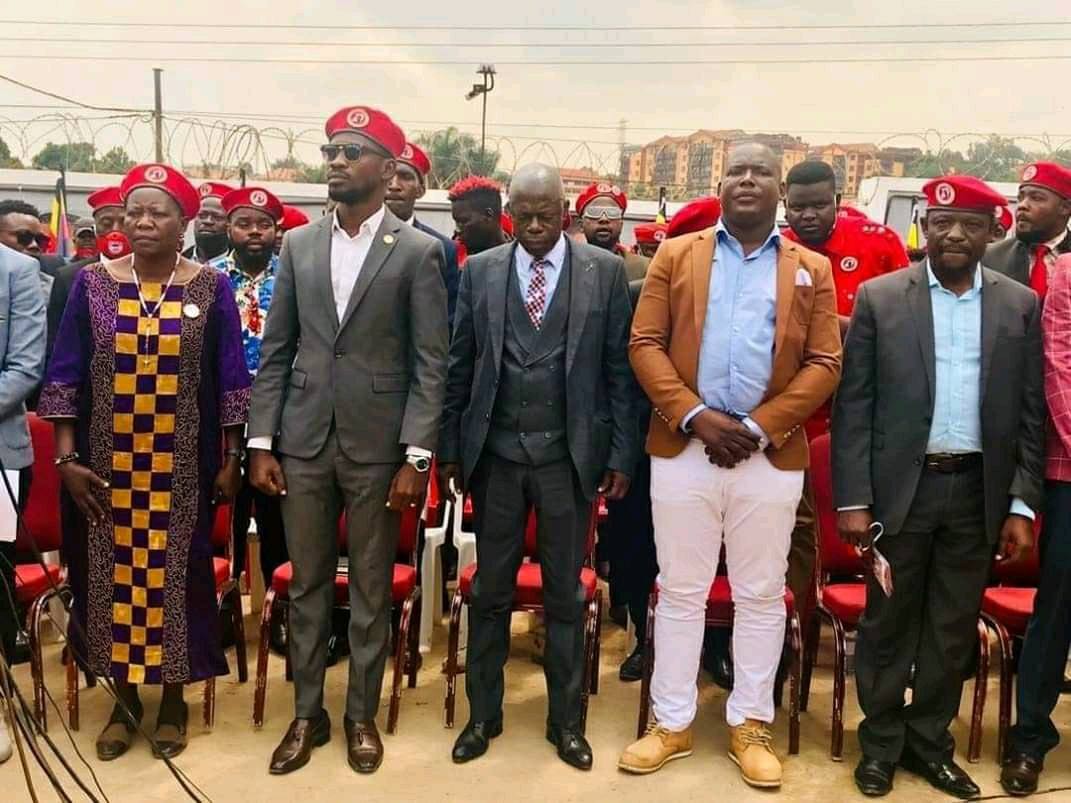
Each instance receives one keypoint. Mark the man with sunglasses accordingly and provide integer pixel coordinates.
(20, 228)
(602, 214)
(351, 380)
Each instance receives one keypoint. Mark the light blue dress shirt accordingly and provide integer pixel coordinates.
(522, 261)
(957, 345)
(737, 345)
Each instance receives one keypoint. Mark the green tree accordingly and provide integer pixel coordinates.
(302, 171)
(78, 156)
(931, 164)
(455, 155)
(116, 160)
(995, 159)
(6, 159)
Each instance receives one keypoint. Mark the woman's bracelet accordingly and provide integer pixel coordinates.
(70, 457)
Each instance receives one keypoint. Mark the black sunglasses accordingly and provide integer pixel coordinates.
(351, 151)
(25, 237)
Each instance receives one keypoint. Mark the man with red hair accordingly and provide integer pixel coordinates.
(476, 205)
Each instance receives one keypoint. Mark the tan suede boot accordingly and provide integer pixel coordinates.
(658, 746)
(751, 749)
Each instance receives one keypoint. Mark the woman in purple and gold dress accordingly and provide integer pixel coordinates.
(148, 390)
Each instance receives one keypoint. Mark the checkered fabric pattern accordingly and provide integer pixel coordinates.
(536, 301)
(146, 389)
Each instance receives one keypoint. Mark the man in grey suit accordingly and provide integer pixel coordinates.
(352, 376)
(938, 436)
(22, 364)
(538, 413)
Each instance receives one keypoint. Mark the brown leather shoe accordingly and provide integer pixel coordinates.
(1019, 775)
(364, 748)
(296, 747)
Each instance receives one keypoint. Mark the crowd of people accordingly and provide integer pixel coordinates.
(316, 372)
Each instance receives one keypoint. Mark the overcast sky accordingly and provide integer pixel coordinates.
(820, 102)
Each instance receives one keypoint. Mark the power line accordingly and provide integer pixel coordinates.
(535, 63)
(526, 28)
(554, 45)
(54, 96)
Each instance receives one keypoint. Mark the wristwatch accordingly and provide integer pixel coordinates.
(421, 464)
(239, 453)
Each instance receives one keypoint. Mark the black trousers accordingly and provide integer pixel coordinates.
(1048, 635)
(633, 561)
(940, 563)
(502, 494)
(251, 503)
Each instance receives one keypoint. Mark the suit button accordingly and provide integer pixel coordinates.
(546, 435)
(918, 461)
(550, 403)
(524, 435)
(524, 403)
(339, 355)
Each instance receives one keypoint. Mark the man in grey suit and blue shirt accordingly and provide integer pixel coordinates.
(352, 376)
(538, 413)
(938, 435)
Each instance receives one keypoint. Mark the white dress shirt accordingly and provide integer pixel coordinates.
(522, 262)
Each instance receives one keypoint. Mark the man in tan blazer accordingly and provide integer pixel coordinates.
(736, 342)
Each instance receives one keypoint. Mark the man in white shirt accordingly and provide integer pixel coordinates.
(351, 383)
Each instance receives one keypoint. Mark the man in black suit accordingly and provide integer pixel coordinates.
(1041, 234)
(404, 190)
(538, 413)
(946, 453)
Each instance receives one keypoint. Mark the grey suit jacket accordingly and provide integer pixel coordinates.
(22, 351)
(600, 422)
(884, 406)
(1014, 258)
(379, 374)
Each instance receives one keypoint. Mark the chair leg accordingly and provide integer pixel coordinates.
(401, 647)
(1006, 666)
(456, 606)
(414, 658)
(648, 669)
(37, 671)
(238, 622)
(981, 680)
(72, 689)
(840, 681)
(210, 703)
(591, 635)
(261, 685)
(594, 677)
(794, 681)
(810, 657)
(287, 661)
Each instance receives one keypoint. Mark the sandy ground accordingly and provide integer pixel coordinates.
(230, 763)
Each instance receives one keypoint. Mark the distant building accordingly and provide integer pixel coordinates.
(576, 180)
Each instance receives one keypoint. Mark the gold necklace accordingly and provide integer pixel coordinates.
(150, 314)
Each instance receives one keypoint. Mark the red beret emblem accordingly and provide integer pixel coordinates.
(258, 198)
(945, 194)
(115, 247)
(848, 264)
(156, 174)
(659, 236)
(357, 118)
(602, 188)
(615, 190)
(407, 152)
(1030, 173)
(205, 189)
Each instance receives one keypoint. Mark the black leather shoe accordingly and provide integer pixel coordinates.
(720, 668)
(632, 669)
(874, 777)
(296, 747)
(573, 748)
(944, 774)
(1019, 775)
(474, 740)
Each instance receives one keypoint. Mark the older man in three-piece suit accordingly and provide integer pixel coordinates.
(351, 381)
(538, 414)
(938, 437)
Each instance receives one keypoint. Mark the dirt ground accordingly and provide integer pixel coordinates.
(231, 762)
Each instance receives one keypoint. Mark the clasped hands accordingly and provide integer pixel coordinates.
(726, 440)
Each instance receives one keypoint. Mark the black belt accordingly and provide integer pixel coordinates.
(944, 463)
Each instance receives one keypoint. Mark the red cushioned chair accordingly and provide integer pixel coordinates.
(1006, 608)
(529, 597)
(405, 597)
(720, 614)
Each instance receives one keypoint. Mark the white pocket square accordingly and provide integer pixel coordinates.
(803, 278)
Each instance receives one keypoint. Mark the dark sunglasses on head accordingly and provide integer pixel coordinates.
(351, 151)
(25, 237)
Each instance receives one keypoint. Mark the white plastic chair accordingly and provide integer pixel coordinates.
(431, 566)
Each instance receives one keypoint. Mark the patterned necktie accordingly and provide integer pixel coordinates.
(536, 300)
(1039, 273)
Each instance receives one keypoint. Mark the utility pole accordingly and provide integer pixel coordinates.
(488, 73)
(158, 113)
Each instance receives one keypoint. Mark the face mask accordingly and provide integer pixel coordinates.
(113, 245)
(211, 244)
(86, 251)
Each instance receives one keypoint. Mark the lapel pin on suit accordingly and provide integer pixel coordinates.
(388, 239)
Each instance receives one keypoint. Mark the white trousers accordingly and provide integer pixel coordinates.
(697, 506)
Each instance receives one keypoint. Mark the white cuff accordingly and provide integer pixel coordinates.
(852, 507)
(416, 451)
(1020, 508)
(750, 424)
(691, 414)
(263, 442)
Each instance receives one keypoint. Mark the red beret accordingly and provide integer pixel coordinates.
(650, 233)
(851, 211)
(1006, 219)
(106, 196)
(613, 192)
(253, 198)
(292, 218)
(368, 122)
(415, 158)
(506, 222)
(967, 193)
(165, 178)
(702, 213)
(1049, 175)
(213, 189)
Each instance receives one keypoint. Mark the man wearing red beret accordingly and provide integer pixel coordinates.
(702, 213)
(648, 237)
(602, 215)
(1041, 219)
(210, 225)
(1004, 224)
(404, 190)
(292, 218)
(351, 381)
(917, 464)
